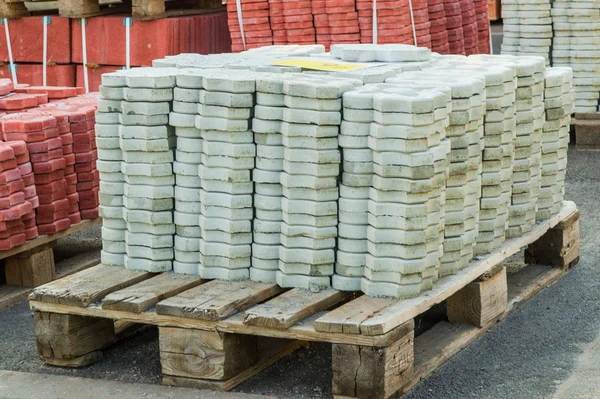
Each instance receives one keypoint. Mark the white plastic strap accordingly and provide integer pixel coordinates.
(84, 54)
(45, 23)
(412, 22)
(238, 5)
(491, 41)
(128, 22)
(13, 70)
(374, 21)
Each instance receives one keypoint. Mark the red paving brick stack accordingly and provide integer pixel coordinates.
(48, 178)
(205, 34)
(445, 26)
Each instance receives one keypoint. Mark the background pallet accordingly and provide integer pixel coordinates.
(139, 9)
(587, 131)
(211, 333)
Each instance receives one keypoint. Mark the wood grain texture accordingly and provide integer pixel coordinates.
(64, 338)
(217, 299)
(480, 302)
(145, 294)
(384, 316)
(88, 286)
(291, 307)
(558, 247)
(205, 354)
(372, 373)
(32, 268)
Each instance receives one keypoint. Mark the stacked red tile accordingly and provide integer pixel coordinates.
(393, 21)
(483, 26)
(469, 25)
(342, 21)
(421, 19)
(23, 163)
(454, 27)
(44, 145)
(292, 22)
(321, 22)
(254, 15)
(13, 205)
(437, 28)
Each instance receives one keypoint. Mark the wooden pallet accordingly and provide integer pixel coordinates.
(211, 333)
(139, 9)
(494, 10)
(587, 131)
(32, 264)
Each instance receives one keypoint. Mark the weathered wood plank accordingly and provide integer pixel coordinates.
(74, 341)
(229, 384)
(144, 295)
(480, 302)
(217, 299)
(11, 295)
(88, 286)
(291, 307)
(395, 312)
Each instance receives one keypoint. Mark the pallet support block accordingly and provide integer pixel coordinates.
(32, 268)
(373, 373)
(480, 302)
(72, 341)
(78, 8)
(559, 247)
(143, 9)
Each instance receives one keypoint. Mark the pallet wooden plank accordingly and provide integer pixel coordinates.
(217, 299)
(88, 286)
(349, 317)
(291, 307)
(11, 295)
(385, 318)
(229, 384)
(144, 295)
(435, 346)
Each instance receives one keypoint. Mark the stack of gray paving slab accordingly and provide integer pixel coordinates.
(498, 151)
(407, 197)
(558, 101)
(227, 159)
(463, 188)
(527, 28)
(311, 162)
(268, 191)
(186, 100)
(109, 162)
(147, 143)
(576, 43)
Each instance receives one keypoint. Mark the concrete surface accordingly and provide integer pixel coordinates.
(16, 385)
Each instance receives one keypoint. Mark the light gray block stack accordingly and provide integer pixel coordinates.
(186, 101)
(527, 28)
(227, 159)
(268, 191)
(311, 159)
(558, 101)
(109, 167)
(463, 188)
(576, 45)
(406, 204)
(498, 152)
(147, 143)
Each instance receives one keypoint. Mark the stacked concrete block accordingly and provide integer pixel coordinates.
(13, 205)
(268, 191)
(527, 28)
(311, 159)
(44, 145)
(110, 158)
(147, 145)
(498, 151)
(406, 202)
(575, 44)
(463, 188)
(24, 164)
(186, 98)
(227, 159)
(558, 102)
